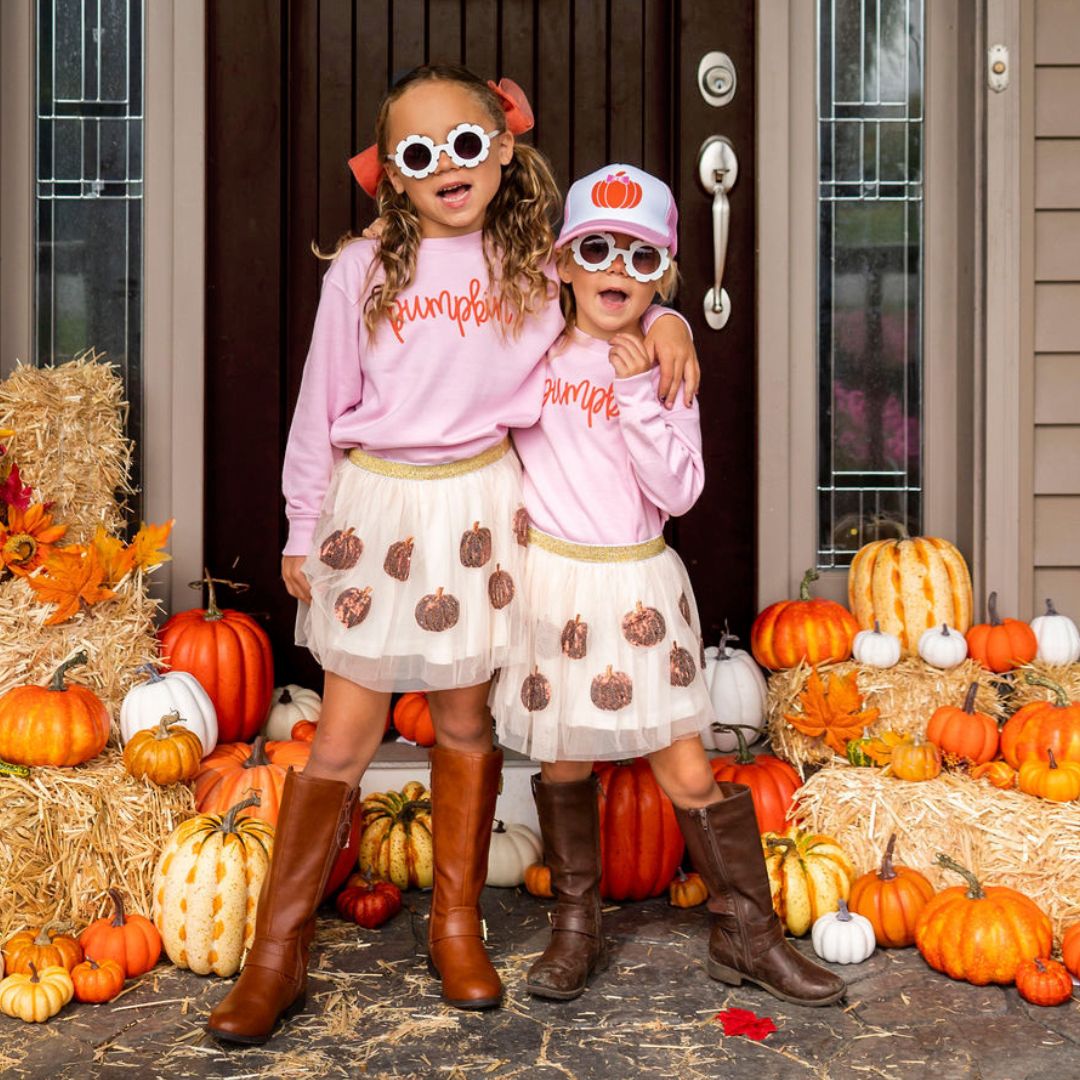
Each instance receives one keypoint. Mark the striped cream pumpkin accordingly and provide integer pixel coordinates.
(206, 888)
(909, 586)
(396, 841)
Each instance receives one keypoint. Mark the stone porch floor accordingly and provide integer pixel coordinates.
(373, 1012)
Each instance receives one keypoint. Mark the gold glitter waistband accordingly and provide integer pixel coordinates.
(597, 552)
(405, 470)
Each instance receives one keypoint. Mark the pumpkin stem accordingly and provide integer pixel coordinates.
(1050, 757)
(945, 629)
(1040, 966)
(258, 754)
(43, 937)
(228, 822)
(213, 612)
(887, 872)
(499, 827)
(286, 697)
(1050, 609)
(725, 637)
(679, 873)
(57, 682)
(743, 755)
(34, 972)
(842, 912)
(170, 719)
(991, 605)
(782, 841)
(975, 890)
(152, 671)
(877, 627)
(969, 701)
(118, 905)
(804, 586)
(1039, 680)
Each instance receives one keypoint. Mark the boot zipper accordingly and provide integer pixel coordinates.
(345, 820)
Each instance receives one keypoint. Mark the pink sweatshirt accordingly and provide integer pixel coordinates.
(437, 383)
(607, 463)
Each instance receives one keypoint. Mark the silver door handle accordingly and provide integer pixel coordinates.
(718, 168)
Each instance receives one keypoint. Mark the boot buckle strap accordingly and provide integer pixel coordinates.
(460, 922)
(268, 952)
(573, 920)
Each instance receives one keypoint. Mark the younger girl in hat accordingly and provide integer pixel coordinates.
(403, 504)
(615, 647)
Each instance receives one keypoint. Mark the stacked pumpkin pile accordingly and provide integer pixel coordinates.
(984, 719)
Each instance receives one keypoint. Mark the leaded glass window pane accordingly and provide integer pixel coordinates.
(89, 190)
(870, 273)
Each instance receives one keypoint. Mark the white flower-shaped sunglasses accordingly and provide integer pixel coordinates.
(467, 146)
(644, 262)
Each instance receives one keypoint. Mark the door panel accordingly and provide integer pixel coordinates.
(608, 81)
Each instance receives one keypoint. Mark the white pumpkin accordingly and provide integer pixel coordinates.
(513, 848)
(843, 937)
(175, 691)
(1058, 637)
(288, 705)
(875, 648)
(738, 692)
(944, 648)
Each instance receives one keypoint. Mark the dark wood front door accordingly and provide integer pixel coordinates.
(293, 87)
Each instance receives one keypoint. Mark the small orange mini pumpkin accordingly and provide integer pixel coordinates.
(916, 760)
(1050, 780)
(43, 948)
(96, 982)
(1001, 644)
(412, 718)
(538, 880)
(963, 732)
(891, 898)
(304, 731)
(368, 903)
(999, 773)
(687, 890)
(132, 940)
(1043, 982)
(166, 754)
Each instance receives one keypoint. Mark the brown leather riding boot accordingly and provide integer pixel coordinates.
(570, 826)
(312, 826)
(747, 939)
(464, 787)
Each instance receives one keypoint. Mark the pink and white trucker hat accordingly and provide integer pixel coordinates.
(621, 198)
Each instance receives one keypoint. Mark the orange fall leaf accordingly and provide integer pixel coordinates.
(834, 713)
(72, 576)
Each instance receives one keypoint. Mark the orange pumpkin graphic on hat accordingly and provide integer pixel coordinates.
(616, 192)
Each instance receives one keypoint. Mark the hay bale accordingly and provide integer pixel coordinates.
(1005, 837)
(70, 834)
(117, 634)
(1067, 676)
(69, 440)
(905, 696)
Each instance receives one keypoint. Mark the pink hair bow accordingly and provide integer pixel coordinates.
(368, 169)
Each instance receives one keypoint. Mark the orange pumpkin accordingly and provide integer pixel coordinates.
(964, 733)
(57, 724)
(368, 903)
(1001, 644)
(1041, 726)
(166, 754)
(999, 773)
(304, 731)
(1049, 780)
(1070, 948)
(616, 192)
(230, 654)
(915, 759)
(687, 890)
(817, 631)
(96, 982)
(131, 940)
(538, 880)
(233, 768)
(43, 948)
(1043, 982)
(980, 934)
(640, 841)
(891, 898)
(412, 718)
(772, 782)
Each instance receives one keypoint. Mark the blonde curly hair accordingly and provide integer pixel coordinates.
(517, 228)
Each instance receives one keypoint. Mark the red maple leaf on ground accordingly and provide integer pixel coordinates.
(744, 1022)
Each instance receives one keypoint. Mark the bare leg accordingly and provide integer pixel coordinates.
(351, 726)
(683, 771)
(461, 718)
(565, 772)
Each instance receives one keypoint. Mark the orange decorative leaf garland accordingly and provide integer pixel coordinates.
(115, 558)
(149, 540)
(73, 577)
(835, 713)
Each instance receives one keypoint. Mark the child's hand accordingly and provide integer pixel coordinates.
(669, 344)
(375, 229)
(628, 356)
(295, 582)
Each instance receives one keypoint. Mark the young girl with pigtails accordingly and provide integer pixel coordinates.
(613, 666)
(405, 508)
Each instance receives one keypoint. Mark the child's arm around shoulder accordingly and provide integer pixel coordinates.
(332, 384)
(664, 443)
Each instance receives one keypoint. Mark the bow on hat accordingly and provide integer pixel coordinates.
(368, 169)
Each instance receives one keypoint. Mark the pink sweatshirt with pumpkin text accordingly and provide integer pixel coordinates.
(438, 382)
(607, 463)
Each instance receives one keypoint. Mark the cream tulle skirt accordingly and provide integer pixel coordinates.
(613, 664)
(416, 572)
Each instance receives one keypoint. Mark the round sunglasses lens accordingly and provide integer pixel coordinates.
(468, 145)
(416, 156)
(646, 260)
(593, 250)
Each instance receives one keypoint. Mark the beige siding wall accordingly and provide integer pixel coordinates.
(1057, 304)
